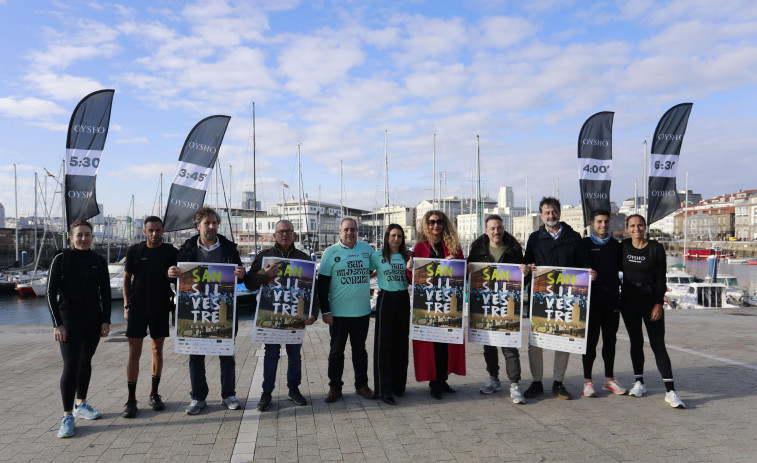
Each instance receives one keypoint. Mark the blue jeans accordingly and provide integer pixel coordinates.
(271, 364)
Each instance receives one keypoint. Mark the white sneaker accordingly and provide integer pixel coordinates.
(493, 384)
(672, 398)
(516, 395)
(232, 403)
(589, 389)
(638, 389)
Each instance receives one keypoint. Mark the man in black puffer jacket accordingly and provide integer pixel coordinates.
(496, 245)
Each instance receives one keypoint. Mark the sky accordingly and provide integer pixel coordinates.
(337, 77)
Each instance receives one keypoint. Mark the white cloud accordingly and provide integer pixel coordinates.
(62, 86)
(504, 32)
(29, 108)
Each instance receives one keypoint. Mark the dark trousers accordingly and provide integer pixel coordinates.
(441, 364)
(356, 328)
(390, 343)
(77, 353)
(512, 362)
(271, 364)
(605, 318)
(199, 382)
(633, 316)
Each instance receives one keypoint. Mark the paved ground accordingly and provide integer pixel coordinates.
(714, 358)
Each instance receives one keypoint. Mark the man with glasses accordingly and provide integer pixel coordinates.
(344, 290)
(258, 276)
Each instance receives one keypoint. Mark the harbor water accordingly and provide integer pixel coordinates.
(23, 310)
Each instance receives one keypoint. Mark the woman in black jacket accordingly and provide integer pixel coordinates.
(642, 296)
(78, 294)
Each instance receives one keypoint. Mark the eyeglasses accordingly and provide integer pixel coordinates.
(431, 223)
(284, 232)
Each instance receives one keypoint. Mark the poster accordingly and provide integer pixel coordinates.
(285, 302)
(436, 303)
(495, 302)
(560, 308)
(205, 309)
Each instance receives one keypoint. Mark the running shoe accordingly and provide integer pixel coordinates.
(67, 427)
(265, 402)
(296, 397)
(84, 410)
(672, 398)
(614, 387)
(638, 389)
(589, 389)
(516, 395)
(491, 385)
(232, 403)
(130, 409)
(156, 402)
(195, 406)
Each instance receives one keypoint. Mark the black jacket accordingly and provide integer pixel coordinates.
(78, 289)
(543, 250)
(605, 260)
(479, 251)
(255, 278)
(229, 253)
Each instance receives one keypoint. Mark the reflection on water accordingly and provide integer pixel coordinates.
(22, 310)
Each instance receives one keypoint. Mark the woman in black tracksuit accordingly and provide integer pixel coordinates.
(78, 295)
(642, 296)
(390, 348)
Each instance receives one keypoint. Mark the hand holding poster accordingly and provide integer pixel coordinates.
(560, 308)
(496, 304)
(285, 302)
(205, 309)
(436, 305)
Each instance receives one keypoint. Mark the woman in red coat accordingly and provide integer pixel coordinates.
(437, 238)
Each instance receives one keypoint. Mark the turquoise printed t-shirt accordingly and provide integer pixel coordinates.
(391, 275)
(350, 289)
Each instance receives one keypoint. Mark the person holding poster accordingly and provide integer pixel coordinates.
(390, 344)
(147, 303)
(604, 252)
(258, 276)
(344, 290)
(209, 247)
(554, 244)
(643, 291)
(78, 295)
(437, 238)
(496, 245)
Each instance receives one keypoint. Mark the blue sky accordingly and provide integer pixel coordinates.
(334, 75)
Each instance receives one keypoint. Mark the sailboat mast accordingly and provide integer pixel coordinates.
(341, 190)
(433, 175)
(479, 212)
(299, 194)
(685, 217)
(254, 187)
(36, 252)
(386, 170)
(15, 188)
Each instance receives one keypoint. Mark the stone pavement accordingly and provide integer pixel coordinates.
(714, 355)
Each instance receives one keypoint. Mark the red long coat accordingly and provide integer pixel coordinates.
(423, 351)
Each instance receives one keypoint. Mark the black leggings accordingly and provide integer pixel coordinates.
(633, 315)
(606, 318)
(390, 343)
(77, 353)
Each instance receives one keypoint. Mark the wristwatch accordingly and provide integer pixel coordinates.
(127, 307)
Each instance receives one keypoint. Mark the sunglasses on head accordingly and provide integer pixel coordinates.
(435, 222)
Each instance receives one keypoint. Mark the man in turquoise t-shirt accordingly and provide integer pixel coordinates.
(344, 289)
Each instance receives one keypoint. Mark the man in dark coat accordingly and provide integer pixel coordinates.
(209, 247)
(554, 244)
(258, 276)
(496, 245)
